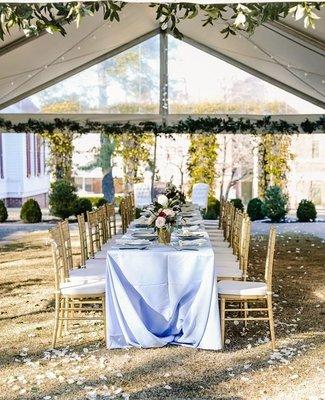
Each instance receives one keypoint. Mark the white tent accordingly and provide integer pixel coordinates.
(284, 54)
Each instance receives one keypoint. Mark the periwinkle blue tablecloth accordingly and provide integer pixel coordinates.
(160, 296)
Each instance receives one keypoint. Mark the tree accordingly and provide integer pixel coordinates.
(202, 157)
(135, 150)
(274, 161)
(235, 161)
(103, 159)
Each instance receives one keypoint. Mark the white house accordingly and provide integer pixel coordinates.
(23, 173)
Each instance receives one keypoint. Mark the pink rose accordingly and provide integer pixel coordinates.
(160, 222)
(169, 212)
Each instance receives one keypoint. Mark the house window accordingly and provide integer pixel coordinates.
(44, 156)
(28, 156)
(1, 158)
(315, 149)
(316, 193)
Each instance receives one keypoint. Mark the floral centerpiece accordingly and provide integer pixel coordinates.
(163, 217)
(175, 194)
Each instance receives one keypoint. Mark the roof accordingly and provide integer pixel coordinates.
(284, 54)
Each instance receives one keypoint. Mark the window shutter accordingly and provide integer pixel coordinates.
(28, 158)
(1, 158)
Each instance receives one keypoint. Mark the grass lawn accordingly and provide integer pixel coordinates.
(82, 368)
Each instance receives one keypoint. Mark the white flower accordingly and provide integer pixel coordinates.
(169, 212)
(160, 222)
(240, 19)
(162, 200)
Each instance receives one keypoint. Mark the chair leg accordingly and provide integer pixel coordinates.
(222, 313)
(56, 319)
(271, 320)
(66, 315)
(245, 312)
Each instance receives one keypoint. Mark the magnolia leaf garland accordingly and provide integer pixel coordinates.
(189, 125)
(52, 17)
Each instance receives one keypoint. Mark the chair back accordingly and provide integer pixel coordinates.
(245, 238)
(60, 272)
(130, 208)
(66, 241)
(142, 195)
(102, 224)
(124, 215)
(83, 238)
(111, 219)
(236, 232)
(200, 194)
(93, 232)
(270, 259)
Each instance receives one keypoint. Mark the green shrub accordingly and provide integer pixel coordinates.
(306, 211)
(213, 209)
(31, 212)
(62, 199)
(3, 212)
(255, 209)
(82, 205)
(275, 204)
(100, 202)
(238, 204)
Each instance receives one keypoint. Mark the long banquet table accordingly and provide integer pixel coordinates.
(162, 296)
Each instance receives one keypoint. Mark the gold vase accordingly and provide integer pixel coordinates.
(164, 236)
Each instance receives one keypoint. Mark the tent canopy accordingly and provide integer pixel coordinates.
(282, 53)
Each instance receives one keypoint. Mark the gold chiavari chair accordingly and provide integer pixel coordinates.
(66, 242)
(245, 292)
(84, 254)
(93, 233)
(73, 300)
(124, 215)
(235, 267)
(102, 224)
(111, 218)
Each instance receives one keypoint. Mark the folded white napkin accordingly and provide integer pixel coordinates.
(195, 242)
(134, 242)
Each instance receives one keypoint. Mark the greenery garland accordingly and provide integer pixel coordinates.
(52, 17)
(189, 125)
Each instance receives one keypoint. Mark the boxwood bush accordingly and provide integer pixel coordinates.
(275, 204)
(100, 202)
(82, 205)
(306, 211)
(62, 199)
(213, 209)
(3, 212)
(255, 209)
(31, 212)
(238, 204)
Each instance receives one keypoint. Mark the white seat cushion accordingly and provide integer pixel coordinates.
(225, 272)
(239, 288)
(219, 263)
(96, 263)
(85, 275)
(101, 254)
(80, 289)
(225, 257)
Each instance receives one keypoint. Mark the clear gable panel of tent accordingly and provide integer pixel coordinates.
(127, 83)
(210, 85)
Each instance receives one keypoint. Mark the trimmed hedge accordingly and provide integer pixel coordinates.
(30, 212)
(255, 209)
(238, 204)
(3, 212)
(306, 211)
(82, 205)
